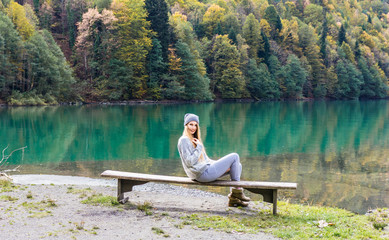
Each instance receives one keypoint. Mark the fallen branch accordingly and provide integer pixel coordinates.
(5, 158)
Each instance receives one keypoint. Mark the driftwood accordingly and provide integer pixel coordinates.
(4, 161)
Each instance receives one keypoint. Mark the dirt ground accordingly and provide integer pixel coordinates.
(55, 211)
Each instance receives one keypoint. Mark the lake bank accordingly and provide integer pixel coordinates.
(159, 211)
(155, 211)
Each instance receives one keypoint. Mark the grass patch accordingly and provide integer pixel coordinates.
(102, 200)
(40, 214)
(295, 222)
(160, 232)
(379, 218)
(146, 208)
(7, 186)
(39, 205)
(8, 198)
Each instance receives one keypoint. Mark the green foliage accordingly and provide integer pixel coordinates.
(341, 35)
(158, 17)
(126, 49)
(252, 33)
(274, 20)
(228, 78)
(373, 85)
(261, 83)
(196, 85)
(156, 68)
(349, 80)
(295, 77)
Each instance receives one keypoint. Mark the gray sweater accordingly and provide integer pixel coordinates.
(190, 157)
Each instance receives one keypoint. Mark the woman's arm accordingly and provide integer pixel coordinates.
(189, 154)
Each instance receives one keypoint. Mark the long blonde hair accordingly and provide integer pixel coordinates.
(197, 135)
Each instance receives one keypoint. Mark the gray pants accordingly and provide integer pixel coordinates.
(220, 167)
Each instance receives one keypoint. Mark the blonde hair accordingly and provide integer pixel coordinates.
(197, 135)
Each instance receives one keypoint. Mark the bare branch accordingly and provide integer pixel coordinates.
(5, 158)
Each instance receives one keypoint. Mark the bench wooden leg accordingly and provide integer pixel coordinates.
(126, 186)
(269, 195)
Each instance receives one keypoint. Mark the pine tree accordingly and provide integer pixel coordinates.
(341, 35)
(196, 85)
(295, 78)
(11, 47)
(323, 39)
(159, 20)
(373, 85)
(156, 68)
(261, 84)
(274, 20)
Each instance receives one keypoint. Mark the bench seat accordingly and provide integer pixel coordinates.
(126, 180)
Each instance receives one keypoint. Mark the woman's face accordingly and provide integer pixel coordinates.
(192, 127)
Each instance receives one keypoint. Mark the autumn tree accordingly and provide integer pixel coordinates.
(94, 48)
(212, 19)
(274, 20)
(134, 41)
(17, 14)
(228, 78)
(252, 33)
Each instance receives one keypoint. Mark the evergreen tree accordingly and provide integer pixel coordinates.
(295, 78)
(274, 20)
(11, 47)
(120, 80)
(159, 20)
(323, 39)
(341, 35)
(196, 85)
(349, 80)
(156, 68)
(373, 85)
(261, 84)
(264, 53)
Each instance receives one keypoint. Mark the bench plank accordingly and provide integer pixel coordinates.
(126, 181)
(186, 180)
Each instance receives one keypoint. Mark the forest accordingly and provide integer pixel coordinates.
(55, 51)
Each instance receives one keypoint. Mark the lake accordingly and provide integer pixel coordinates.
(337, 151)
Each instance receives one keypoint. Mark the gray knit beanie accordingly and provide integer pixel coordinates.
(189, 117)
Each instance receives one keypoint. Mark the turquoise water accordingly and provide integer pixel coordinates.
(337, 151)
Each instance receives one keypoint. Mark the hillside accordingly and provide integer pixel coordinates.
(192, 50)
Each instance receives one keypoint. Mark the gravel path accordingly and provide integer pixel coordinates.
(52, 210)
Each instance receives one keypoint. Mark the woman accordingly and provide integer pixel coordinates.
(200, 167)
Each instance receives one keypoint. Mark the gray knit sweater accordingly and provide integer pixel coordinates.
(190, 157)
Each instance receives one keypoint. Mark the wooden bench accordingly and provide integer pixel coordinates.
(126, 180)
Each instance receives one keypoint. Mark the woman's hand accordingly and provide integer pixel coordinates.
(196, 141)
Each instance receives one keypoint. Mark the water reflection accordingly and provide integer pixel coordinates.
(336, 151)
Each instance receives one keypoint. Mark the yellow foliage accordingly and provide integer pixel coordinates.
(174, 61)
(212, 17)
(17, 14)
(265, 27)
(367, 39)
